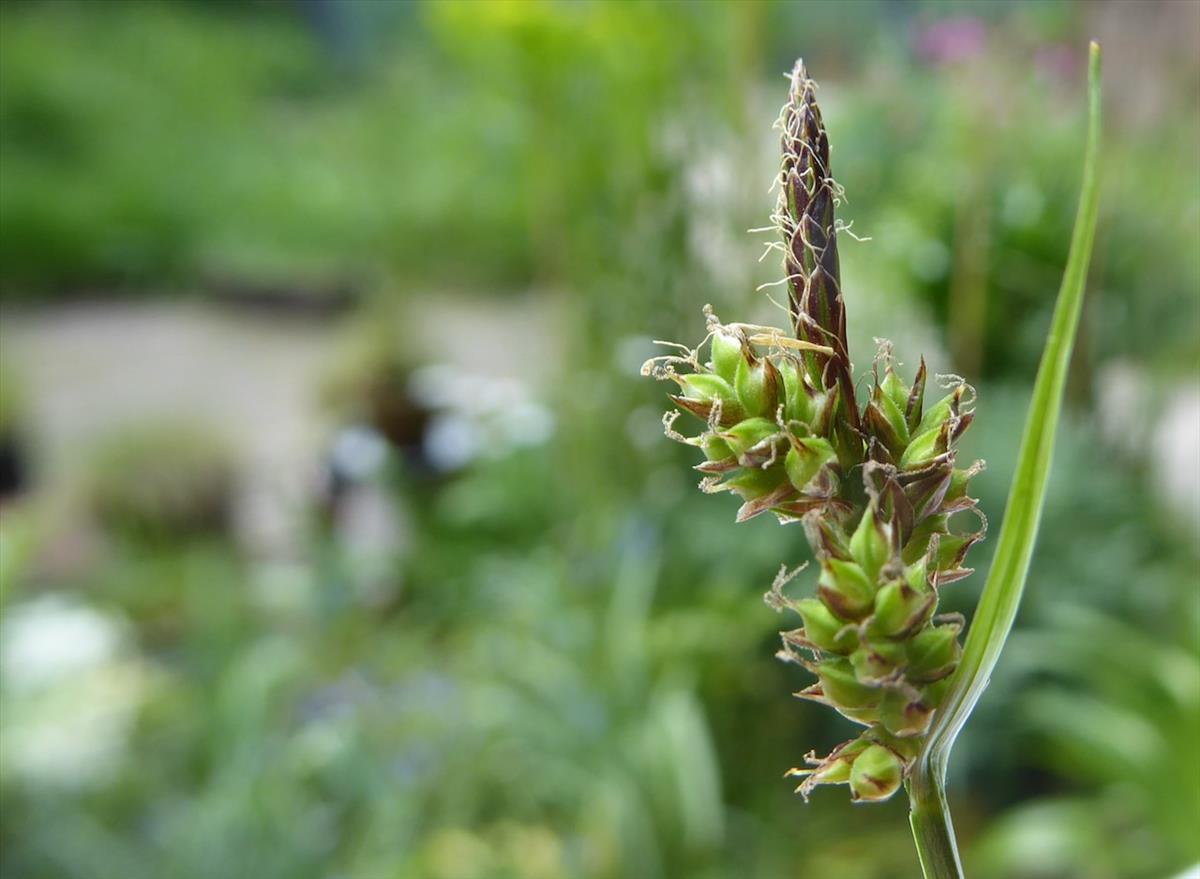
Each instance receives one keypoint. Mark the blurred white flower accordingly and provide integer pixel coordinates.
(476, 415)
(68, 695)
(359, 452)
(1176, 439)
(451, 442)
(49, 639)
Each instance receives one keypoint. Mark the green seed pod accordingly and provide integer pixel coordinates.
(875, 774)
(919, 541)
(952, 548)
(934, 693)
(708, 387)
(726, 354)
(877, 659)
(805, 459)
(716, 449)
(940, 411)
(900, 608)
(753, 483)
(730, 413)
(758, 386)
(835, 769)
(868, 716)
(748, 433)
(823, 405)
(798, 406)
(824, 629)
(903, 712)
(842, 688)
(959, 480)
(924, 448)
(870, 545)
(845, 589)
(917, 575)
(895, 390)
(893, 411)
(933, 653)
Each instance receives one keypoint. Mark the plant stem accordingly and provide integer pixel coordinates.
(933, 831)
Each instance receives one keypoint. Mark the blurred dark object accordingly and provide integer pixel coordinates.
(370, 385)
(313, 298)
(397, 416)
(14, 465)
(14, 449)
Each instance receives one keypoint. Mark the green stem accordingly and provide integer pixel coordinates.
(933, 831)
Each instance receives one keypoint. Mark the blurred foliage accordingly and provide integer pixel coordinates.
(461, 144)
(12, 403)
(163, 479)
(973, 210)
(1104, 736)
(574, 676)
(1127, 729)
(291, 163)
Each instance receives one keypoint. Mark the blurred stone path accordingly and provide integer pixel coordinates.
(88, 370)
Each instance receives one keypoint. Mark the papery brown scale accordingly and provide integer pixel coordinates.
(763, 454)
(958, 505)
(878, 452)
(796, 638)
(955, 561)
(730, 414)
(758, 506)
(926, 494)
(953, 575)
(878, 424)
(825, 536)
(799, 201)
(807, 505)
(961, 426)
(916, 398)
(894, 504)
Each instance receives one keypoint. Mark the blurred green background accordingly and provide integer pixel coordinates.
(339, 537)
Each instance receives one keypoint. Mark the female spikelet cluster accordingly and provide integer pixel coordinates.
(873, 486)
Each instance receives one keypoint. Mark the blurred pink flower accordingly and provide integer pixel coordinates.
(951, 40)
(1056, 60)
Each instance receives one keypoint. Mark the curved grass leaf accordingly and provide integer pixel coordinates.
(1006, 579)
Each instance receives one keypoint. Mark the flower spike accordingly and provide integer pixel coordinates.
(878, 491)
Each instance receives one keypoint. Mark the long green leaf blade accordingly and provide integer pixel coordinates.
(930, 816)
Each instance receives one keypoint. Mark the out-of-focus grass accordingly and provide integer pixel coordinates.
(156, 144)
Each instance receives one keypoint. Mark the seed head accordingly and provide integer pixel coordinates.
(878, 491)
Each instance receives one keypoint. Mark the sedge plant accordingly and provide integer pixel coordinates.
(878, 491)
